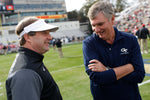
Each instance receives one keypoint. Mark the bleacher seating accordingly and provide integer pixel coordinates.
(136, 15)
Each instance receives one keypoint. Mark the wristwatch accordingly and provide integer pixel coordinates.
(107, 68)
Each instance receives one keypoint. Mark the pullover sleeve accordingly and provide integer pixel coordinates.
(136, 60)
(89, 53)
(109, 76)
(24, 85)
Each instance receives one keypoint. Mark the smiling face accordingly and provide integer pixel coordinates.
(39, 42)
(103, 27)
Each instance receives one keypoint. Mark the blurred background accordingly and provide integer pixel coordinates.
(69, 15)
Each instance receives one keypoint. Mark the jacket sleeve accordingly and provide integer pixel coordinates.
(136, 60)
(89, 53)
(25, 85)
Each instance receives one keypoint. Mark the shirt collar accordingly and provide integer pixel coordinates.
(31, 53)
(118, 35)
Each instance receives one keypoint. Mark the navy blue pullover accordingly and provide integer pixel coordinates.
(124, 50)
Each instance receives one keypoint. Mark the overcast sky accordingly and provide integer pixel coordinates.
(77, 4)
(74, 4)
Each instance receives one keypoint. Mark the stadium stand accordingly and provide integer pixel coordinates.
(135, 15)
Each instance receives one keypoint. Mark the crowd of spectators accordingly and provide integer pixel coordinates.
(141, 15)
(9, 48)
(13, 47)
(67, 40)
(134, 21)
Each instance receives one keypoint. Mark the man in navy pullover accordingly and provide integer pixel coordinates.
(112, 58)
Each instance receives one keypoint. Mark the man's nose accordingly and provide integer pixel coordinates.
(49, 37)
(96, 29)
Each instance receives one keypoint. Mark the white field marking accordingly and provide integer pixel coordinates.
(66, 69)
(55, 71)
(0, 86)
(145, 82)
(2, 83)
(1, 94)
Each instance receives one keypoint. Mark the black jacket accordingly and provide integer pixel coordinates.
(143, 33)
(29, 79)
(59, 43)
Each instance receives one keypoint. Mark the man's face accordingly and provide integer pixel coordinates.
(102, 26)
(40, 42)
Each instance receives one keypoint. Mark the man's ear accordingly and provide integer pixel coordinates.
(113, 19)
(27, 37)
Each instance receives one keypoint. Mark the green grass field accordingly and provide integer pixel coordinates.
(68, 72)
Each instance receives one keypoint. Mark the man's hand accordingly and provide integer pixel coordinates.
(96, 66)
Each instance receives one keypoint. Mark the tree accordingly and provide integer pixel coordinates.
(73, 15)
(77, 15)
(120, 5)
(82, 17)
(87, 5)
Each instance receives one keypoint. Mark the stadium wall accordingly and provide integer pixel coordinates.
(66, 29)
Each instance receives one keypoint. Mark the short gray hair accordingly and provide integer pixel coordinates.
(101, 6)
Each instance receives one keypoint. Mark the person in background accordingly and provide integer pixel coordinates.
(59, 47)
(5, 50)
(138, 36)
(28, 78)
(136, 28)
(112, 58)
(144, 32)
(54, 44)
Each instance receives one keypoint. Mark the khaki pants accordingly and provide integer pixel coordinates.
(60, 52)
(139, 41)
(5, 51)
(144, 45)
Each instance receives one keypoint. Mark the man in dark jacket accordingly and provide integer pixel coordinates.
(137, 35)
(28, 77)
(143, 33)
(59, 47)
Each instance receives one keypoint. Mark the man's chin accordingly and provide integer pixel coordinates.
(46, 49)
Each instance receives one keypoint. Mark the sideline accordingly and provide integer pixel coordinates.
(146, 61)
(145, 82)
(1, 94)
(66, 69)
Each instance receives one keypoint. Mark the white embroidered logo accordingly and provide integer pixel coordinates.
(124, 51)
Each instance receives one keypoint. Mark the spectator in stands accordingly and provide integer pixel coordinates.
(59, 47)
(28, 78)
(144, 32)
(136, 28)
(112, 58)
